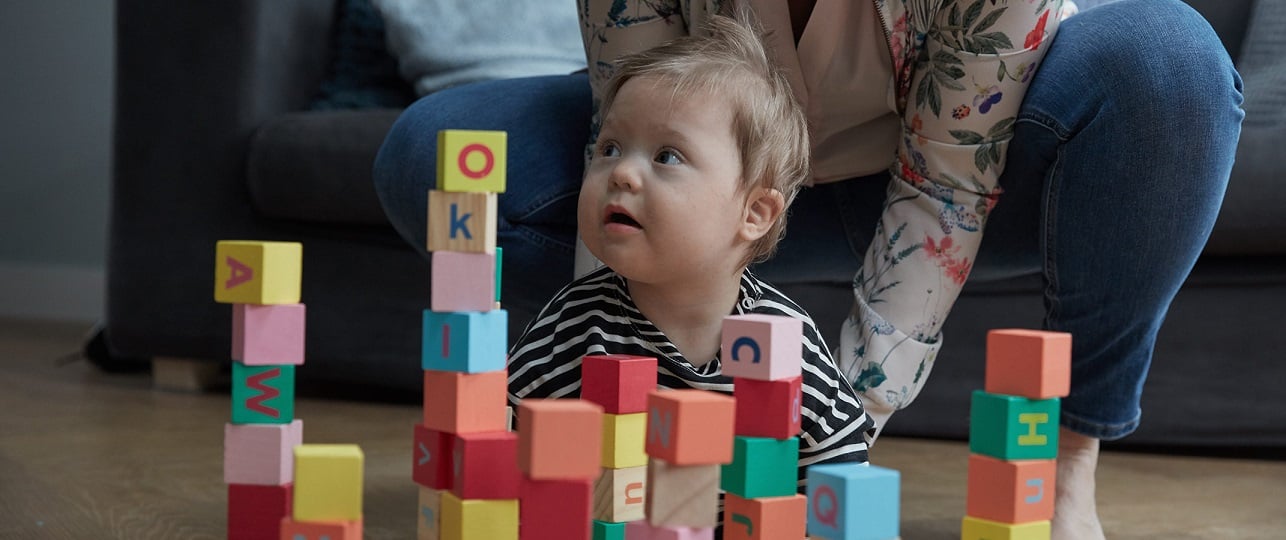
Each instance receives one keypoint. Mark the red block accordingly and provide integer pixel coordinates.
(619, 383)
(320, 530)
(457, 402)
(431, 462)
(690, 427)
(768, 408)
(255, 512)
(486, 466)
(554, 509)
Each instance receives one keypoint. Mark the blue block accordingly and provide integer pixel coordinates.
(464, 341)
(852, 501)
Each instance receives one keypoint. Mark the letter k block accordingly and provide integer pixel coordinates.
(263, 394)
(462, 221)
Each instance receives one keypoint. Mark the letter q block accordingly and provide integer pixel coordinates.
(464, 341)
(1010, 491)
(764, 347)
(690, 427)
(268, 335)
(559, 439)
(1029, 363)
(472, 160)
(462, 281)
(1012, 427)
(328, 482)
(851, 500)
(462, 222)
(620, 383)
(248, 272)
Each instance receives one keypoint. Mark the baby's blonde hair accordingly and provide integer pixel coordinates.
(729, 58)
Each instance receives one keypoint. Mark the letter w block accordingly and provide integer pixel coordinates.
(263, 394)
(462, 221)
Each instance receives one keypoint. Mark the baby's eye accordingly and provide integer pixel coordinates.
(668, 157)
(609, 149)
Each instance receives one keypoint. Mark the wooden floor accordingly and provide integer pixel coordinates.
(89, 455)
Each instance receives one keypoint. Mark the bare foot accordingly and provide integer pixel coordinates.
(1075, 513)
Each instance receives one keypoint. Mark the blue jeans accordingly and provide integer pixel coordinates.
(1120, 158)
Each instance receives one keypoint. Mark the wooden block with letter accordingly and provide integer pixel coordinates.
(764, 347)
(429, 521)
(559, 439)
(1010, 491)
(762, 467)
(766, 518)
(768, 408)
(850, 501)
(620, 494)
(462, 281)
(320, 530)
(682, 495)
(603, 530)
(263, 394)
(255, 512)
(1012, 427)
(486, 465)
(642, 530)
(464, 341)
(472, 160)
(462, 221)
(328, 482)
(620, 383)
(554, 509)
(433, 462)
(268, 335)
(980, 529)
(260, 454)
(478, 520)
(1029, 363)
(249, 272)
(623, 436)
(690, 427)
(465, 402)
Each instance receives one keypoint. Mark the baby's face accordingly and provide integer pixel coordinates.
(661, 200)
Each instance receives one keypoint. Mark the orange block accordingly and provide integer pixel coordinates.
(320, 530)
(1010, 491)
(1029, 363)
(465, 402)
(765, 518)
(559, 439)
(690, 427)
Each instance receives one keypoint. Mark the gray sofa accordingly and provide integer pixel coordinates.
(212, 142)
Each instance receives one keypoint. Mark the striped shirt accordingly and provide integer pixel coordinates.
(596, 315)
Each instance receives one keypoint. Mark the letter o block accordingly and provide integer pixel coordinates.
(249, 272)
(690, 427)
(980, 529)
(767, 518)
(1012, 427)
(559, 439)
(1029, 363)
(849, 500)
(472, 160)
(1010, 491)
(763, 347)
(462, 222)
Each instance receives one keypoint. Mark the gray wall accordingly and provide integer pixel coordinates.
(55, 133)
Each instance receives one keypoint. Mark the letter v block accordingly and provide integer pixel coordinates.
(247, 272)
(261, 454)
(559, 439)
(763, 347)
(268, 335)
(766, 518)
(432, 465)
(263, 394)
(620, 383)
(690, 427)
(853, 500)
(462, 281)
(462, 222)
(1029, 363)
(1012, 427)
(464, 341)
(1010, 491)
(328, 482)
(472, 160)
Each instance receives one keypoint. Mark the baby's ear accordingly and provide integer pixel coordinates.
(763, 207)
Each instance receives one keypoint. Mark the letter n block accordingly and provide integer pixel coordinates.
(255, 512)
(1012, 427)
(762, 467)
(463, 222)
(263, 394)
(623, 440)
(486, 466)
(682, 495)
(690, 427)
(554, 509)
(320, 530)
(328, 482)
(603, 530)
(766, 518)
(429, 522)
(472, 160)
(462, 281)
(850, 500)
(620, 494)
(768, 408)
(1029, 363)
(466, 402)
(619, 383)
(479, 519)
(247, 272)
(1010, 491)
(433, 464)
(260, 454)
(559, 439)
(764, 347)
(980, 529)
(268, 335)
(464, 341)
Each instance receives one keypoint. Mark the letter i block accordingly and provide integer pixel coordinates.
(268, 335)
(429, 522)
(1010, 491)
(1012, 427)
(762, 467)
(464, 341)
(1029, 363)
(486, 466)
(981, 529)
(472, 160)
(682, 495)
(690, 427)
(328, 482)
(434, 463)
(768, 408)
(320, 530)
(462, 222)
(620, 494)
(767, 518)
(466, 402)
(603, 530)
(853, 501)
(764, 347)
(554, 509)
(260, 454)
(255, 512)
(619, 383)
(623, 440)
(263, 394)
(462, 281)
(248, 272)
(479, 520)
(559, 439)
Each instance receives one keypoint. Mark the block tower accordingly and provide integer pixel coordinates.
(1013, 435)
(464, 457)
(620, 384)
(261, 280)
(328, 494)
(559, 447)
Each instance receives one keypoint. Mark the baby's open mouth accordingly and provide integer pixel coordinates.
(623, 219)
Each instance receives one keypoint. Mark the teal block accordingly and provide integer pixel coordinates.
(464, 341)
(604, 530)
(853, 501)
(263, 394)
(500, 259)
(1013, 427)
(762, 467)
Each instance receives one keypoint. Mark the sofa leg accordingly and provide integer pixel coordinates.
(185, 374)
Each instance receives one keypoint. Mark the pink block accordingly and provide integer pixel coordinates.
(260, 454)
(463, 281)
(268, 335)
(642, 530)
(763, 347)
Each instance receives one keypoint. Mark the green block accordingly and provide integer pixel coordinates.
(500, 259)
(762, 467)
(1012, 427)
(604, 530)
(263, 394)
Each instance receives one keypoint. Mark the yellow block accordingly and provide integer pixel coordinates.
(328, 482)
(250, 272)
(472, 160)
(478, 519)
(980, 529)
(623, 437)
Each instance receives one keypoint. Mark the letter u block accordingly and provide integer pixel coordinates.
(764, 347)
(479, 519)
(980, 529)
(263, 394)
(320, 530)
(462, 222)
(690, 427)
(328, 482)
(559, 439)
(261, 454)
(248, 272)
(1029, 363)
(464, 341)
(554, 509)
(1010, 491)
(768, 408)
(853, 501)
(619, 383)
(268, 335)
(620, 494)
(433, 464)
(466, 402)
(471, 160)
(255, 512)
(1012, 427)
(486, 466)
(623, 436)
(462, 281)
(429, 522)
(768, 518)
(762, 467)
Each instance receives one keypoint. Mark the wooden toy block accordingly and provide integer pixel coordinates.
(462, 281)
(328, 482)
(433, 463)
(554, 509)
(268, 335)
(464, 341)
(690, 427)
(500, 259)
(559, 439)
(460, 221)
(1010, 491)
(1012, 427)
(619, 383)
(642, 530)
(465, 402)
(472, 160)
(1029, 363)
(429, 521)
(478, 520)
(768, 408)
(260, 454)
(852, 501)
(764, 347)
(255, 512)
(320, 530)
(682, 495)
(619, 494)
(248, 272)
(603, 530)
(623, 436)
(980, 529)
(762, 467)
(767, 518)
(263, 394)
(486, 466)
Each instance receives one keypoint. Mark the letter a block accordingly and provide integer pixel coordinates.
(768, 408)
(762, 467)
(462, 281)
(620, 494)
(429, 522)
(466, 402)
(433, 464)
(1010, 491)
(619, 383)
(853, 501)
(682, 495)
(767, 518)
(462, 222)
(320, 530)
(1029, 363)
(472, 160)
(268, 335)
(1012, 427)
(764, 347)
(464, 341)
(981, 529)
(248, 272)
(261, 454)
(263, 394)
(690, 427)
(478, 520)
(255, 512)
(486, 466)
(554, 509)
(328, 482)
(559, 439)
(623, 440)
